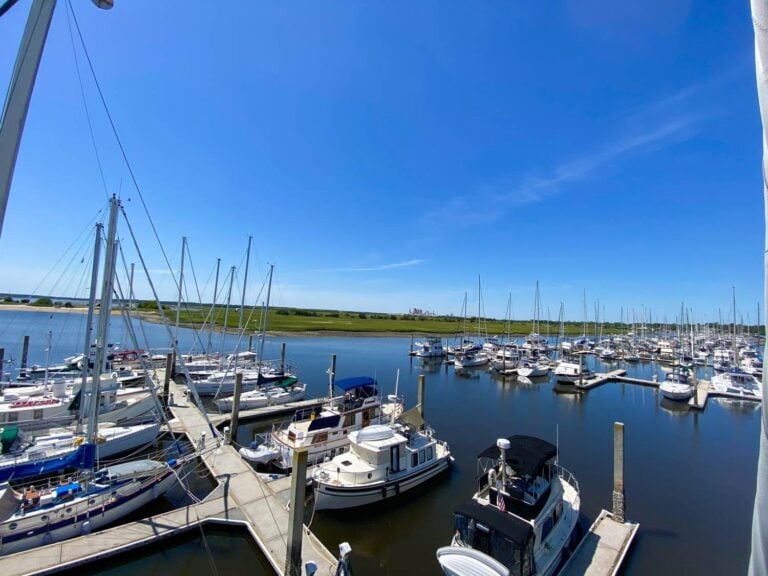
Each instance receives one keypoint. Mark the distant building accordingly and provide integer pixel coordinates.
(420, 312)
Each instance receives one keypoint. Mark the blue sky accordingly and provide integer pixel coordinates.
(383, 155)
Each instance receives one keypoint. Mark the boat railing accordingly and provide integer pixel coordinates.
(567, 476)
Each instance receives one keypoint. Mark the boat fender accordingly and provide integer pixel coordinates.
(85, 528)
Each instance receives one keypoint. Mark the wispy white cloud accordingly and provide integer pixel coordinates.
(489, 201)
(380, 267)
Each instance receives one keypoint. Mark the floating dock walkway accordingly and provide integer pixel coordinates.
(241, 496)
(601, 552)
(698, 401)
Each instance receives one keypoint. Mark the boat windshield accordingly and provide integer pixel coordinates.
(516, 556)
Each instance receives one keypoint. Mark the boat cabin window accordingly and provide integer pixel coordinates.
(546, 528)
(421, 456)
(430, 453)
(394, 453)
(13, 417)
(37, 414)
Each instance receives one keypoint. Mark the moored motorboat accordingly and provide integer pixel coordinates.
(431, 347)
(383, 461)
(571, 372)
(324, 430)
(523, 514)
(737, 383)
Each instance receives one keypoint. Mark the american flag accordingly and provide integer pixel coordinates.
(500, 502)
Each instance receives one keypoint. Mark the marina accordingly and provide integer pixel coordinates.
(162, 417)
(416, 525)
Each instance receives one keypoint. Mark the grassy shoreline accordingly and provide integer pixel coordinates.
(318, 323)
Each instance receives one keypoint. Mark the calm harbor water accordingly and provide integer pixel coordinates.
(690, 477)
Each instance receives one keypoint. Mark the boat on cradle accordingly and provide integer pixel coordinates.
(323, 430)
(523, 514)
(676, 386)
(25, 455)
(383, 461)
(287, 390)
(737, 382)
(432, 347)
(571, 372)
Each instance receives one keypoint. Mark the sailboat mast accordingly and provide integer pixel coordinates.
(181, 288)
(84, 398)
(245, 282)
(226, 310)
(104, 313)
(213, 306)
(264, 323)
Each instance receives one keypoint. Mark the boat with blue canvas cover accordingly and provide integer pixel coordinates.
(25, 455)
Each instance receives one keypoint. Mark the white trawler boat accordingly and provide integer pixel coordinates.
(432, 347)
(522, 517)
(324, 430)
(571, 372)
(383, 462)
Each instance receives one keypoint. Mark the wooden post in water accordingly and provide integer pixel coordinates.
(250, 344)
(236, 406)
(618, 472)
(2, 362)
(422, 380)
(296, 512)
(282, 358)
(167, 378)
(25, 352)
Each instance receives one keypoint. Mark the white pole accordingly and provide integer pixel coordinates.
(20, 92)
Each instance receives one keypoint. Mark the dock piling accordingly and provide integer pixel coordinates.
(25, 352)
(296, 513)
(167, 378)
(618, 472)
(422, 381)
(2, 362)
(236, 406)
(282, 358)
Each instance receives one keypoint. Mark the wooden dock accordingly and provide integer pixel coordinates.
(700, 395)
(602, 551)
(241, 496)
(599, 379)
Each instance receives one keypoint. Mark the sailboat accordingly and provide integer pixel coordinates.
(91, 498)
(477, 355)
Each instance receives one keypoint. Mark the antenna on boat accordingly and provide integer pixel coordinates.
(503, 445)
(394, 398)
